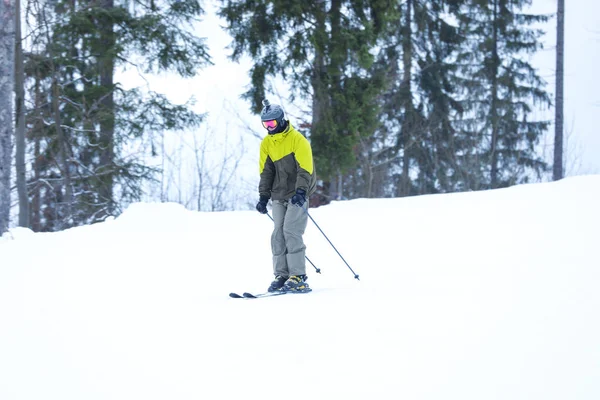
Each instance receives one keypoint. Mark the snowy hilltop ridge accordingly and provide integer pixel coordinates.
(483, 295)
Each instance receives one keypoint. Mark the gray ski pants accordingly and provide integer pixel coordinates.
(287, 243)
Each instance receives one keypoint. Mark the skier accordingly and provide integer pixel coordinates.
(287, 176)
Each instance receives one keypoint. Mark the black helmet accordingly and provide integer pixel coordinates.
(273, 112)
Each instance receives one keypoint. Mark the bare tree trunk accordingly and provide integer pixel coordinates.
(320, 99)
(36, 202)
(406, 92)
(62, 145)
(367, 166)
(319, 71)
(107, 124)
(340, 187)
(558, 172)
(61, 218)
(7, 53)
(20, 123)
(494, 110)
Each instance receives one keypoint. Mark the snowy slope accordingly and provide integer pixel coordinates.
(486, 295)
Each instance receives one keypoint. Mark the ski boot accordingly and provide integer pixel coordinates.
(277, 284)
(297, 283)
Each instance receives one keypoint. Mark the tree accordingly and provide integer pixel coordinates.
(421, 102)
(324, 49)
(200, 169)
(20, 123)
(501, 87)
(91, 148)
(7, 53)
(557, 171)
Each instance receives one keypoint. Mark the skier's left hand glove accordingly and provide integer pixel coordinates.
(299, 198)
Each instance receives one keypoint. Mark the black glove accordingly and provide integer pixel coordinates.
(261, 206)
(299, 198)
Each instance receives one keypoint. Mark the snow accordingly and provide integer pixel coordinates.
(482, 295)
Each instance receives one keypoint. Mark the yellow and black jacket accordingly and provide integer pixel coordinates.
(286, 164)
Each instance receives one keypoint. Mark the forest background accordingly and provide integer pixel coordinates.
(114, 102)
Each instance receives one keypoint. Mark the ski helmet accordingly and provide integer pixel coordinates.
(273, 117)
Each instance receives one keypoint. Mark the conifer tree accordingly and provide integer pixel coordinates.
(501, 90)
(84, 169)
(422, 101)
(324, 51)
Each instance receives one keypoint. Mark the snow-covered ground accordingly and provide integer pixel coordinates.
(486, 295)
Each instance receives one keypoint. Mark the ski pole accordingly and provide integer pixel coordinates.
(307, 259)
(336, 250)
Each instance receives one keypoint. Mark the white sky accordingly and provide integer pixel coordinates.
(469, 296)
(582, 83)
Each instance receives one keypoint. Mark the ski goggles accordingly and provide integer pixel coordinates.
(270, 125)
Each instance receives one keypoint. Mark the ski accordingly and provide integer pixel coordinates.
(265, 294)
(247, 295)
